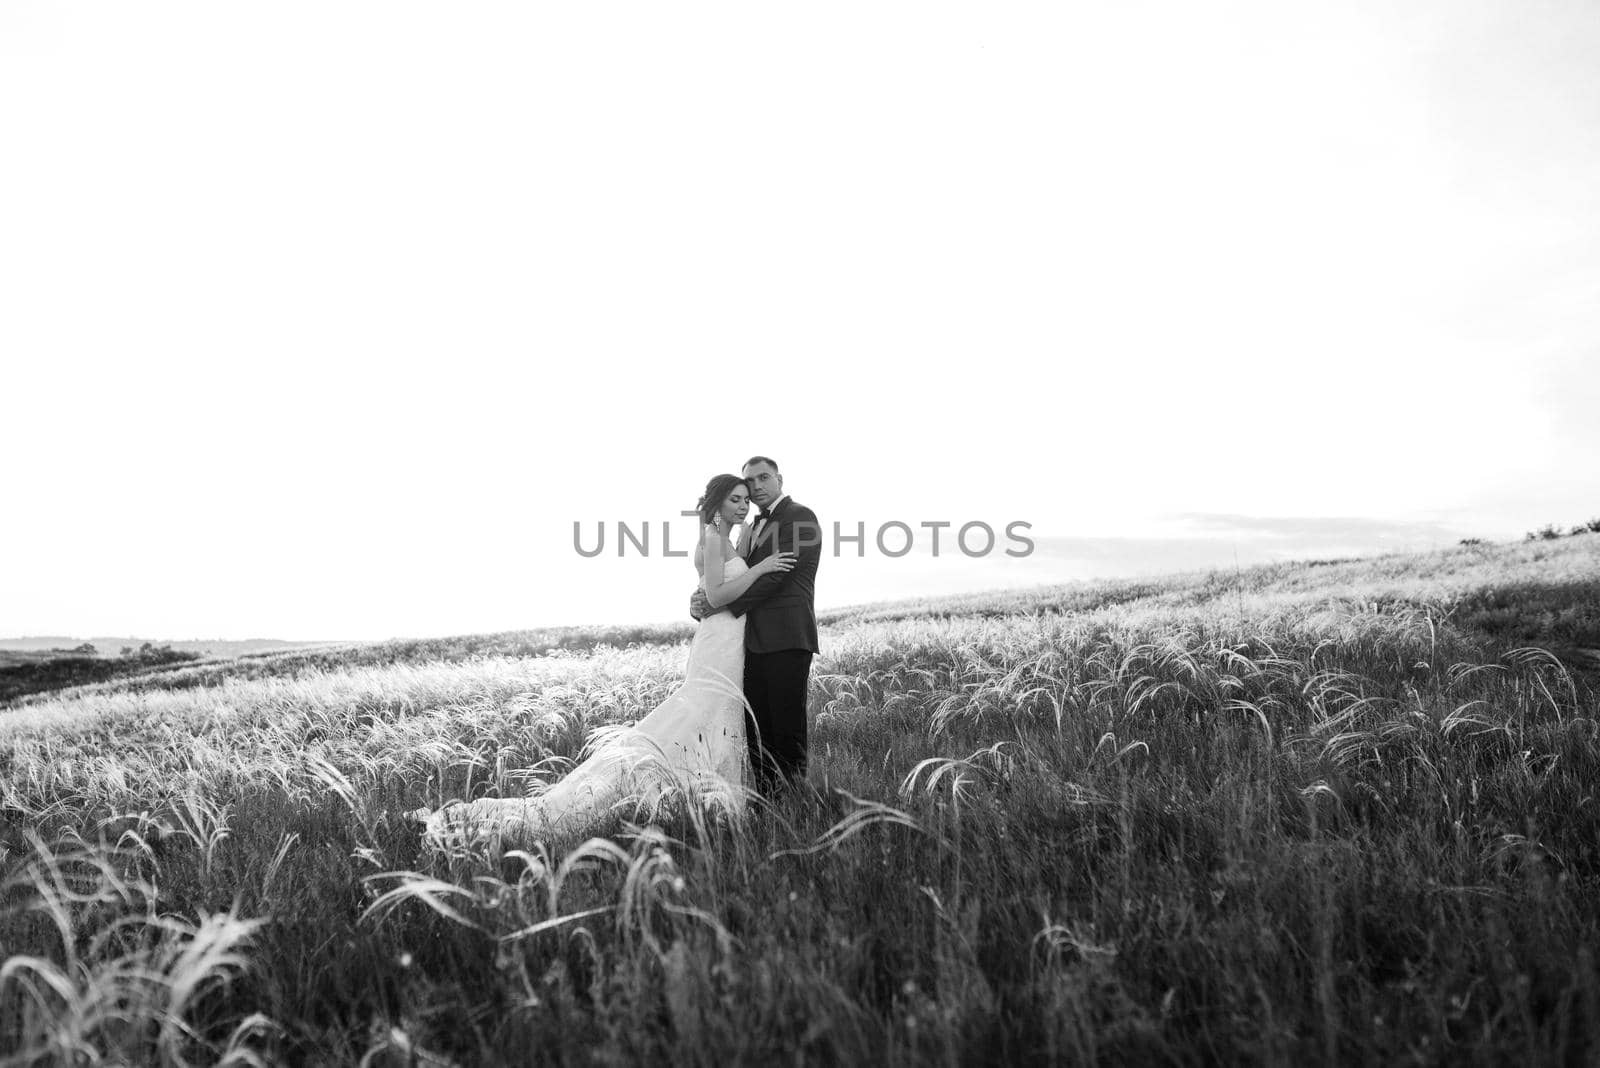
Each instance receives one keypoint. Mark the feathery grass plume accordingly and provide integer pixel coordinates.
(127, 979)
(866, 813)
(203, 821)
(429, 891)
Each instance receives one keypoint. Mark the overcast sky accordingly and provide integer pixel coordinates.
(329, 320)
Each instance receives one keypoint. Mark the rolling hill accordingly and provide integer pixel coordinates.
(1323, 812)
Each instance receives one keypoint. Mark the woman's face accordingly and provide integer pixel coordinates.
(735, 506)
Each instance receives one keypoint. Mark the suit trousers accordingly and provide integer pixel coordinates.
(775, 684)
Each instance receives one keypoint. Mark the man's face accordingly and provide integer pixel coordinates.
(766, 485)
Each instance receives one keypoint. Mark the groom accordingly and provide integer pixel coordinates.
(780, 630)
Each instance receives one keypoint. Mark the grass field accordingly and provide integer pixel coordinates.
(1323, 812)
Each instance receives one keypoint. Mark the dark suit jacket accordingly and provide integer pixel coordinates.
(780, 607)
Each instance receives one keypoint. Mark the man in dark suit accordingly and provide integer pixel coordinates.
(780, 630)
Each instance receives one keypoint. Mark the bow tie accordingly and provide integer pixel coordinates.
(762, 517)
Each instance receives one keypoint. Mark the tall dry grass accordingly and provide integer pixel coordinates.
(1327, 814)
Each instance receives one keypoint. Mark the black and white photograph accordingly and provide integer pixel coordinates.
(838, 534)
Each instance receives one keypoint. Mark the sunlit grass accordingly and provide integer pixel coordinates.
(1302, 813)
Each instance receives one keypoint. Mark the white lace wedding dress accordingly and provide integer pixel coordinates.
(690, 747)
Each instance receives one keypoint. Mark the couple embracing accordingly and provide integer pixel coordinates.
(738, 721)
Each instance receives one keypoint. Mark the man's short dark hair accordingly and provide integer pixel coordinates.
(769, 461)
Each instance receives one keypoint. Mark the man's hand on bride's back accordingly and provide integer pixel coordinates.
(776, 562)
(699, 607)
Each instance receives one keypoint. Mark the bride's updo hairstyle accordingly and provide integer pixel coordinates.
(717, 491)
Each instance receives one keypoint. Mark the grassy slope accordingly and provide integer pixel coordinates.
(1544, 591)
(24, 673)
(1299, 813)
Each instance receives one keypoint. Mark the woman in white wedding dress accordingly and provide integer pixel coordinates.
(692, 743)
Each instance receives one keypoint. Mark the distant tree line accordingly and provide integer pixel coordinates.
(155, 654)
(1550, 532)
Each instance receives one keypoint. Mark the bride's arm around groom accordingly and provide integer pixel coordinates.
(722, 591)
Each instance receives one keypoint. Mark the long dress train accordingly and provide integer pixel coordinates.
(693, 742)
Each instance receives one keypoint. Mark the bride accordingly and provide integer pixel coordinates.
(692, 742)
